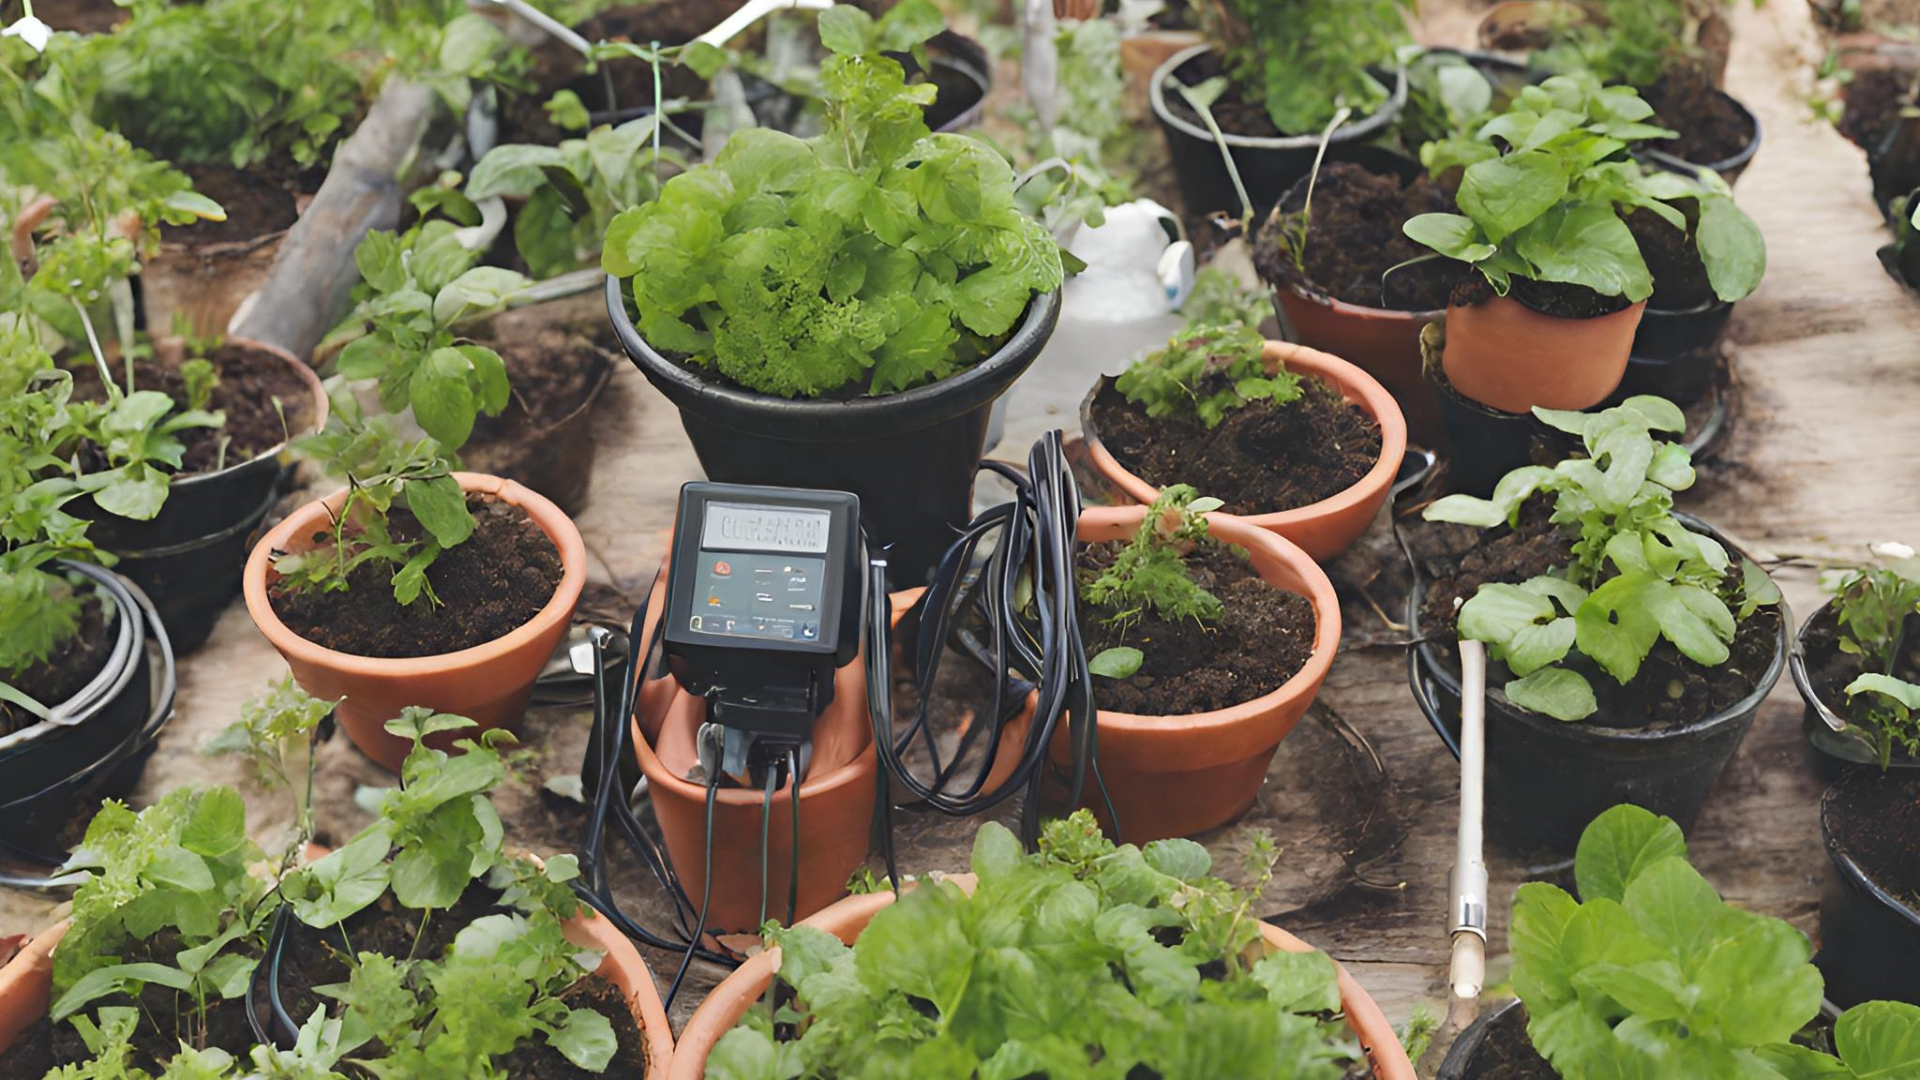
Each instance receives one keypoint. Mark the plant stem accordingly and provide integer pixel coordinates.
(1313, 181)
(1205, 109)
(93, 342)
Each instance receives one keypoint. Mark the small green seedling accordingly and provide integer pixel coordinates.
(1150, 573)
(1205, 374)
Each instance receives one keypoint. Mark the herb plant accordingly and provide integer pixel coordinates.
(1150, 573)
(1203, 375)
(1637, 574)
(382, 471)
(278, 730)
(1650, 974)
(1887, 720)
(873, 258)
(1546, 182)
(424, 285)
(1081, 960)
(1627, 41)
(1872, 606)
(1306, 60)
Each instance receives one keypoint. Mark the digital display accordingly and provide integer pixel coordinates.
(734, 527)
(764, 596)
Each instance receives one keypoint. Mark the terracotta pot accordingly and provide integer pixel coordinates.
(1180, 775)
(1379, 341)
(26, 985)
(836, 801)
(846, 919)
(488, 683)
(1505, 354)
(1328, 527)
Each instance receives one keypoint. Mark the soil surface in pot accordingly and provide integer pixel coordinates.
(1558, 299)
(1712, 128)
(1874, 98)
(1264, 638)
(1355, 237)
(488, 587)
(1680, 281)
(1831, 671)
(1262, 459)
(251, 382)
(255, 205)
(1237, 112)
(80, 16)
(71, 667)
(318, 958)
(553, 367)
(1875, 817)
(1507, 1054)
(1671, 690)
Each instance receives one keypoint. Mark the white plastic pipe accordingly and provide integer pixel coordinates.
(553, 27)
(1469, 969)
(752, 12)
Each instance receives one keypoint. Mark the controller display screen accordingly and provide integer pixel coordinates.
(784, 529)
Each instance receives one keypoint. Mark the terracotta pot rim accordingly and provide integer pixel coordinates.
(1637, 306)
(558, 527)
(322, 405)
(730, 1000)
(1244, 534)
(1343, 377)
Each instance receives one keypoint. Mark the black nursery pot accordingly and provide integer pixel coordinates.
(1730, 168)
(50, 773)
(1495, 1039)
(911, 456)
(188, 558)
(1483, 443)
(1674, 353)
(1268, 166)
(1547, 780)
(1869, 939)
(1837, 750)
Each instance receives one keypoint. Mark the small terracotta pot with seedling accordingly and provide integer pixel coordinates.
(1211, 638)
(1550, 318)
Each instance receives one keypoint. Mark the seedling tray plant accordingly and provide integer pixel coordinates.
(1870, 899)
(1853, 663)
(1650, 973)
(809, 343)
(1210, 638)
(1631, 646)
(1136, 952)
(1293, 440)
(415, 583)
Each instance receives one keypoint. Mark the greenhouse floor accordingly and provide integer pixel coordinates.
(1827, 366)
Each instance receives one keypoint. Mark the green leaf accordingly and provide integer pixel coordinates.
(512, 169)
(1880, 1039)
(1179, 858)
(846, 30)
(1618, 845)
(1299, 982)
(920, 946)
(585, 1038)
(1676, 908)
(441, 506)
(1451, 235)
(490, 377)
(1757, 587)
(194, 204)
(1732, 248)
(1120, 662)
(1506, 194)
(378, 258)
(1586, 245)
(442, 394)
(136, 493)
(1556, 692)
(114, 980)
(342, 882)
(704, 59)
(1615, 628)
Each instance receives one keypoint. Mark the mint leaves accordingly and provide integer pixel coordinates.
(1638, 575)
(872, 259)
(1082, 960)
(1650, 974)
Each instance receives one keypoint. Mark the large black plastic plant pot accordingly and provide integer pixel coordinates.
(1547, 780)
(1869, 938)
(911, 457)
(1729, 168)
(1268, 166)
(1474, 1053)
(1839, 749)
(51, 773)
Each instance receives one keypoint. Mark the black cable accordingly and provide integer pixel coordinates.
(766, 834)
(706, 896)
(793, 863)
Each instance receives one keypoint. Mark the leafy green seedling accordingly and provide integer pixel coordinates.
(874, 258)
(1887, 720)
(1150, 572)
(278, 731)
(1638, 575)
(1203, 375)
(382, 471)
(1626, 41)
(1546, 182)
(1309, 59)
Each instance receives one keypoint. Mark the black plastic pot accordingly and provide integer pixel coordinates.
(188, 558)
(1729, 169)
(1869, 939)
(1268, 166)
(1473, 1055)
(911, 457)
(1838, 749)
(1547, 780)
(1671, 335)
(1483, 443)
(52, 774)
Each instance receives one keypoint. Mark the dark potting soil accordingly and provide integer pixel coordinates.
(1506, 1053)
(1355, 237)
(1554, 298)
(79, 16)
(1680, 281)
(1831, 671)
(552, 367)
(1237, 112)
(1264, 638)
(69, 669)
(1262, 459)
(256, 206)
(1670, 690)
(1875, 817)
(1874, 99)
(1712, 129)
(168, 1018)
(488, 587)
(251, 382)
(320, 958)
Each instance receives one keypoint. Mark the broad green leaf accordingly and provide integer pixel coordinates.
(1556, 692)
(1179, 858)
(513, 169)
(378, 258)
(1618, 845)
(846, 30)
(1615, 628)
(1731, 246)
(1119, 662)
(1586, 245)
(196, 205)
(1299, 982)
(136, 493)
(1451, 235)
(114, 980)
(441, 391)
(919, 945)
(1872, 682)
(1505, 194)
(1757, 984)
(1880, 1039)
(490, 376)
(585, 1038)
(1651, 991)
(1677, 909)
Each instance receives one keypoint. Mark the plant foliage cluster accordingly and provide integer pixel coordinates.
(1545, 185)
(1202, 375)
(1637, 574)
(1651, 974)
(1873, 606)
(1083, 960)
(1305, 60)
(873, 258)
(1149, 575)
(1626, 41)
